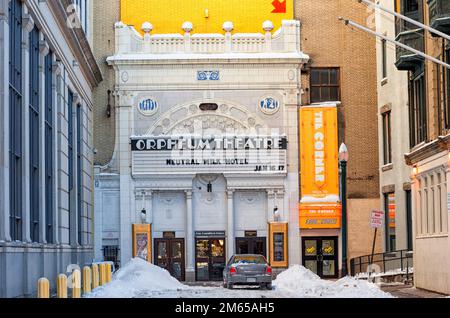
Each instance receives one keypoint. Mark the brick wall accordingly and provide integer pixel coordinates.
(331, 44)
(107, 13)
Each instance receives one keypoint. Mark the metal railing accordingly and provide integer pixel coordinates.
(397, 261)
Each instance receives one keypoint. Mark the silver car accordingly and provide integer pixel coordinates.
(248, 270)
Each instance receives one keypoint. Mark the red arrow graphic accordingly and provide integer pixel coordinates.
(280, 7)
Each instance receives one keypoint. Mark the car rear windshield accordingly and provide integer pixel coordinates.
(249, 260)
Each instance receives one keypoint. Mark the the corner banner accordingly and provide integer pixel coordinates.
(320, 207)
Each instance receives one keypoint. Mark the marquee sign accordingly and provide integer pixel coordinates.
(179, 154)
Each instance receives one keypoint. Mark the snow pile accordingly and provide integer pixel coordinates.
(135, 277)
(301, 282)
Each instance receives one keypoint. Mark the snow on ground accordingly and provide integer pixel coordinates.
(303, 283)
(137, 276)
(139, 279)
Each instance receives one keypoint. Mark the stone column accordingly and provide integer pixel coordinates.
(149, 206)
(56, 69)
(270, 205)
(230, 234)
(28, 25)
(43, 51)
(190, 251)
(4, 124)
(126, 188)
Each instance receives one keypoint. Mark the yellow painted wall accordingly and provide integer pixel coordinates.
(167, 16)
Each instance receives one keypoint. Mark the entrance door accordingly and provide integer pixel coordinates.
(210, 259)
(169, 254)
(320, 255)
(252, 245)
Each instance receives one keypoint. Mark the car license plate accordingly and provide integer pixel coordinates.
(251, 280)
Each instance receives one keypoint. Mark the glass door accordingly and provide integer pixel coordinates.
(217, 259)
(210, 259)
(251, 245)
(169, 254)
(320, 256)
(202, 260)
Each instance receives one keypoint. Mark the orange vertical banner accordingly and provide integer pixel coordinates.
(319, 153)
(320, 207)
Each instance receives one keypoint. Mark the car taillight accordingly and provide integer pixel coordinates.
(269, 270)
(232, 270)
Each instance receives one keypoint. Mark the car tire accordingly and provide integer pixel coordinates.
(269, 286)
(229, 286)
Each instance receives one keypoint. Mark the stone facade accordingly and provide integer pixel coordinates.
(24, 260)
(425, 145)
(176, 76)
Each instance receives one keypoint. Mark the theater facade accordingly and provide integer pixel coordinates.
(206, 157)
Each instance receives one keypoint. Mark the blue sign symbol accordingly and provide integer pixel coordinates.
(148, 106)
(270, 105)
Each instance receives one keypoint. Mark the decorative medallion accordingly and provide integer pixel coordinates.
(148, 107)
(208, 75)
(269, 105)
(125, 77)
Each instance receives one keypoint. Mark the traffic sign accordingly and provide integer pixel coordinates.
(376, 219)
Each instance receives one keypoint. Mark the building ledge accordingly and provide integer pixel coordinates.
(427, 150)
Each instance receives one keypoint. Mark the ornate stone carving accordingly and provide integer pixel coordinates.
(187, 119)
(250, 197)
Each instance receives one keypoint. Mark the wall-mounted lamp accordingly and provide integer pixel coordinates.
(108, 107)
(144, 215)
(276, 214)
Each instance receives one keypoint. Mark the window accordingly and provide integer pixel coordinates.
(79, 175)
(383, 59)
(49, 148)
(389, 224)
(34, 135)
(82, 7)
(70, 154)
(411, 6)
(409, 222)
(387, 138)
(325, 85)
(15, 119)
(447, 90)
(432, 214)
(418, 110)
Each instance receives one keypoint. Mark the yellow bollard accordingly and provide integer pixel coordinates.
(43, 288)
(108, 273)
(95, 277)
(76, 284)
(102, 274)
(87, 280)
(61, 286)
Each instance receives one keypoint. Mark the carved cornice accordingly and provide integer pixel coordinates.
(425, 151)
(78, 42)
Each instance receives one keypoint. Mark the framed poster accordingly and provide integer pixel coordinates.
(142, 241)
(278, 244)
